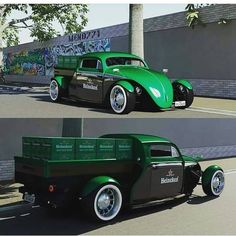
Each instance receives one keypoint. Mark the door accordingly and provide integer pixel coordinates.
(88, 83)
(166, 167)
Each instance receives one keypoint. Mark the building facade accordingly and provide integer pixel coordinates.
(207, 138)
(204, 55)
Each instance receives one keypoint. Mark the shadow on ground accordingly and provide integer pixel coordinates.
(95, 107)
(38, 220)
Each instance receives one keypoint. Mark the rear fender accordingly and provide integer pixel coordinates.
(184, 83)
(62, 81)
(96, 182)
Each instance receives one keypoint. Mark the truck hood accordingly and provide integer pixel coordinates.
(156, 84)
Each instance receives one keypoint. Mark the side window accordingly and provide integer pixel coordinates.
(158, 150)
(93, 64)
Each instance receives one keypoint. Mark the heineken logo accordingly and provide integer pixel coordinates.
(170, 178)
(106, 146)
(90, 86)
(124, 146)
(170, 173)
(86, 146)
(63, 146)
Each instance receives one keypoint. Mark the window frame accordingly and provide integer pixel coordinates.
(99, 61)
(164, 144)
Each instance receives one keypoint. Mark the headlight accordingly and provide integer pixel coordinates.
(155, 92)
(138, 90)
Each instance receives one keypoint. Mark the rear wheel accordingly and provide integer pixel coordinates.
(104, 204)
(121, 100)
(213, 181)
(55, 91)
(182, 93)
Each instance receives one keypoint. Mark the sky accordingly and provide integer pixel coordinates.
(102, 15)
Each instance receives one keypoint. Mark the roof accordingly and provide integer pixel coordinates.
(143, 138)
(104, 55)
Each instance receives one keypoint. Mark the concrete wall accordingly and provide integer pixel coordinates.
(205, 56)
(12, 131)
(203, 137)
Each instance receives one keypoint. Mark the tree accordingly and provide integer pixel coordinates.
(39, 20)
(136, 29)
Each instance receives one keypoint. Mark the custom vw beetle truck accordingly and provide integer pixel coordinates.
(107, 173)
(117, 80)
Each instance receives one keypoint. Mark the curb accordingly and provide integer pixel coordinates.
(15, 206)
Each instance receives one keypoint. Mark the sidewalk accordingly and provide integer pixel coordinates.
(23, 87)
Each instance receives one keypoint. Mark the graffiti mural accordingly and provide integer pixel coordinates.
(25, 62)
(40, 62)
(51, 54)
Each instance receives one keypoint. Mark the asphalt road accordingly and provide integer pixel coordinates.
(24, 102)
(196, 216)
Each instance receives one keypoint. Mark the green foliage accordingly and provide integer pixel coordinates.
(192, 15)
(40, 18)
(10, 36)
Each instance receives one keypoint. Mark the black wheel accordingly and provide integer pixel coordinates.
(121, 100)
(55, 91)
(104, 204)
(182, 93)
(213, 181)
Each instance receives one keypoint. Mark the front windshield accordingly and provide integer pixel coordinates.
(113, 61)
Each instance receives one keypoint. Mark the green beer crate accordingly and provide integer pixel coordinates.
(124, 149)
(36, 147)
(26, 146)
(86, 148)
(57, 148)
(106, 148)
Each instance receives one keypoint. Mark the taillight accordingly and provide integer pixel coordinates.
(51, 188)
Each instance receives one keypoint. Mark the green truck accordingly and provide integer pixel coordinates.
(117, 80)
(110, 172)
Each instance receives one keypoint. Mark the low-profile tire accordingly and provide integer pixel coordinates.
(121, 100)
(182, 93)
(104, 204)
(55, 91)
(213, 181)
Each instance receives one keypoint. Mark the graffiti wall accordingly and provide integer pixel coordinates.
(26, 62)
(40, 62)
(51, 54)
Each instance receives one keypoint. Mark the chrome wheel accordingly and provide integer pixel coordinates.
(54, 90)
(118, 99)
(107, 202)
(217, 182)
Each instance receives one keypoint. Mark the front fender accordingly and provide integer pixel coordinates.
(184, 83)
(96, 182)
(128, 86)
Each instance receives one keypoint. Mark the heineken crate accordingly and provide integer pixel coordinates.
(57, 148)
(86, 149)
(106, 148)
(36, 147)
(26, 146)
(124, 149)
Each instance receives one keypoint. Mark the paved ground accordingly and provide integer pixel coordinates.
(24, 102)
(198, 215)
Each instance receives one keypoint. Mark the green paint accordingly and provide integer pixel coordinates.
(184, 82)
(96, 182)
(156, 84)
(126, 85)
(208, 174)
